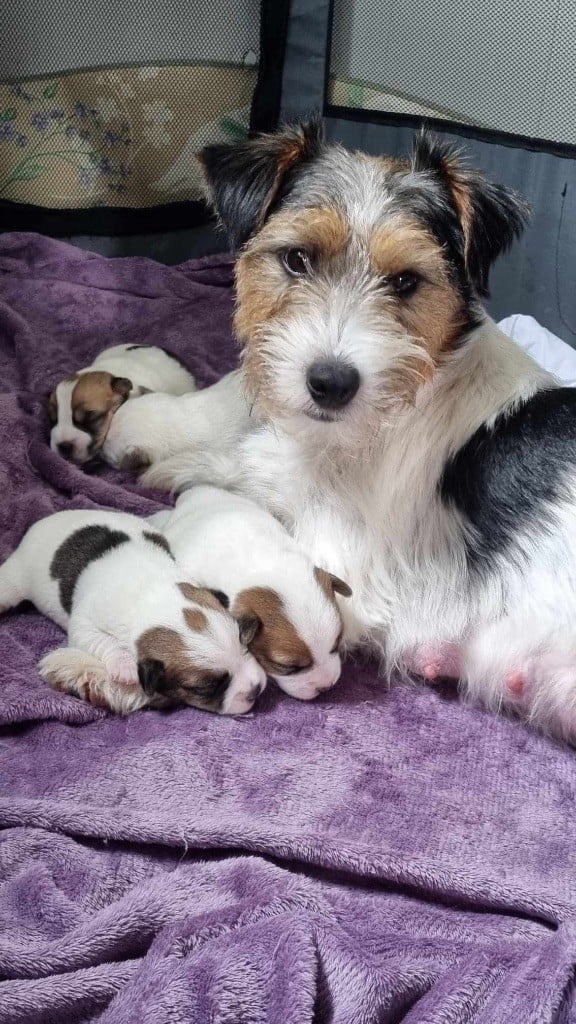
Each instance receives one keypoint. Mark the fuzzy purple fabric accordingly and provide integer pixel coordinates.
(371, 857)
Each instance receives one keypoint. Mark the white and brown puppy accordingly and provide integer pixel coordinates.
(158, 426)
(226, 541)
(140, 632)
(82, 406)
(407, 443)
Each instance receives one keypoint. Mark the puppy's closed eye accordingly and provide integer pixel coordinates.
(91, 421)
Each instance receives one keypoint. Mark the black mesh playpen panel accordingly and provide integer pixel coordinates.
(503, 66)
(107, 105)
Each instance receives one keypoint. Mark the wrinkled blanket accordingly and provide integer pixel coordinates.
(372, 857)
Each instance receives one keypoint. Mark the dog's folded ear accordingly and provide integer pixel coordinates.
(491, 216)
(332, 584)
(152, 676)
(247, 181)
(339, 586)
(122, 386)
(250, 626)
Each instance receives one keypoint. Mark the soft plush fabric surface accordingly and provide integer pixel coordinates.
(372, 857)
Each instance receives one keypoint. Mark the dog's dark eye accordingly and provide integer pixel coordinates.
(296, 262)
(404, 284)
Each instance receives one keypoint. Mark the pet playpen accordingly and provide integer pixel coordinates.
(373, 855)
(103, 107)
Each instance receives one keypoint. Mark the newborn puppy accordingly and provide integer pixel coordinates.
(81, 407)
(228, 542)
(139, 631)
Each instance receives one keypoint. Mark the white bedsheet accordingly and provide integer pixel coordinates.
(548, 350)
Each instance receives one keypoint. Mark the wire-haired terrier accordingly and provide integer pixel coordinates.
(408, 445)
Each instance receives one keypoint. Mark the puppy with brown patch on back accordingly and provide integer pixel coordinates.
(285, 605)
(140, 633)
(81, 407)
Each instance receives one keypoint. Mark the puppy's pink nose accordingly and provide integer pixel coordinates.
(332, 385)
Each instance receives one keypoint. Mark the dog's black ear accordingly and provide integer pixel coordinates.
(249, 626)
(245, 181)
(221, 597)
(122, 386)
(491, 216)
(152, 676)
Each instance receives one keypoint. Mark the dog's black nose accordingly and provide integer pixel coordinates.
(332, 384)
(65, 449)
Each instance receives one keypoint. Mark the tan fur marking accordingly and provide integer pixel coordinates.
(195, 620)
(93, 392)
(455, 177)
(434, 315)
(200, 596)
(277, 642)
(160, 643)
(264, 290)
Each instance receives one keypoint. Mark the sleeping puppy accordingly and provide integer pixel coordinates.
(82, 406)
(140, 632)
(228, 542)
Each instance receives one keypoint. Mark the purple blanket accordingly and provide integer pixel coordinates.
(370, 858)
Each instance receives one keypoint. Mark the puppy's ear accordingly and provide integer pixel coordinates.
(332, 584)
(491, 216)
(152, 676)
(249, 626)
(221, 597)
(245, 181)
(122, 387)
(51, 406)
(339, 586)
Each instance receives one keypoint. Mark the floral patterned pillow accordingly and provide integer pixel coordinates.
(126, 137)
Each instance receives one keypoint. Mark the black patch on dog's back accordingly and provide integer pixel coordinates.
(505, 478)
(159, 540)
(75, 554)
